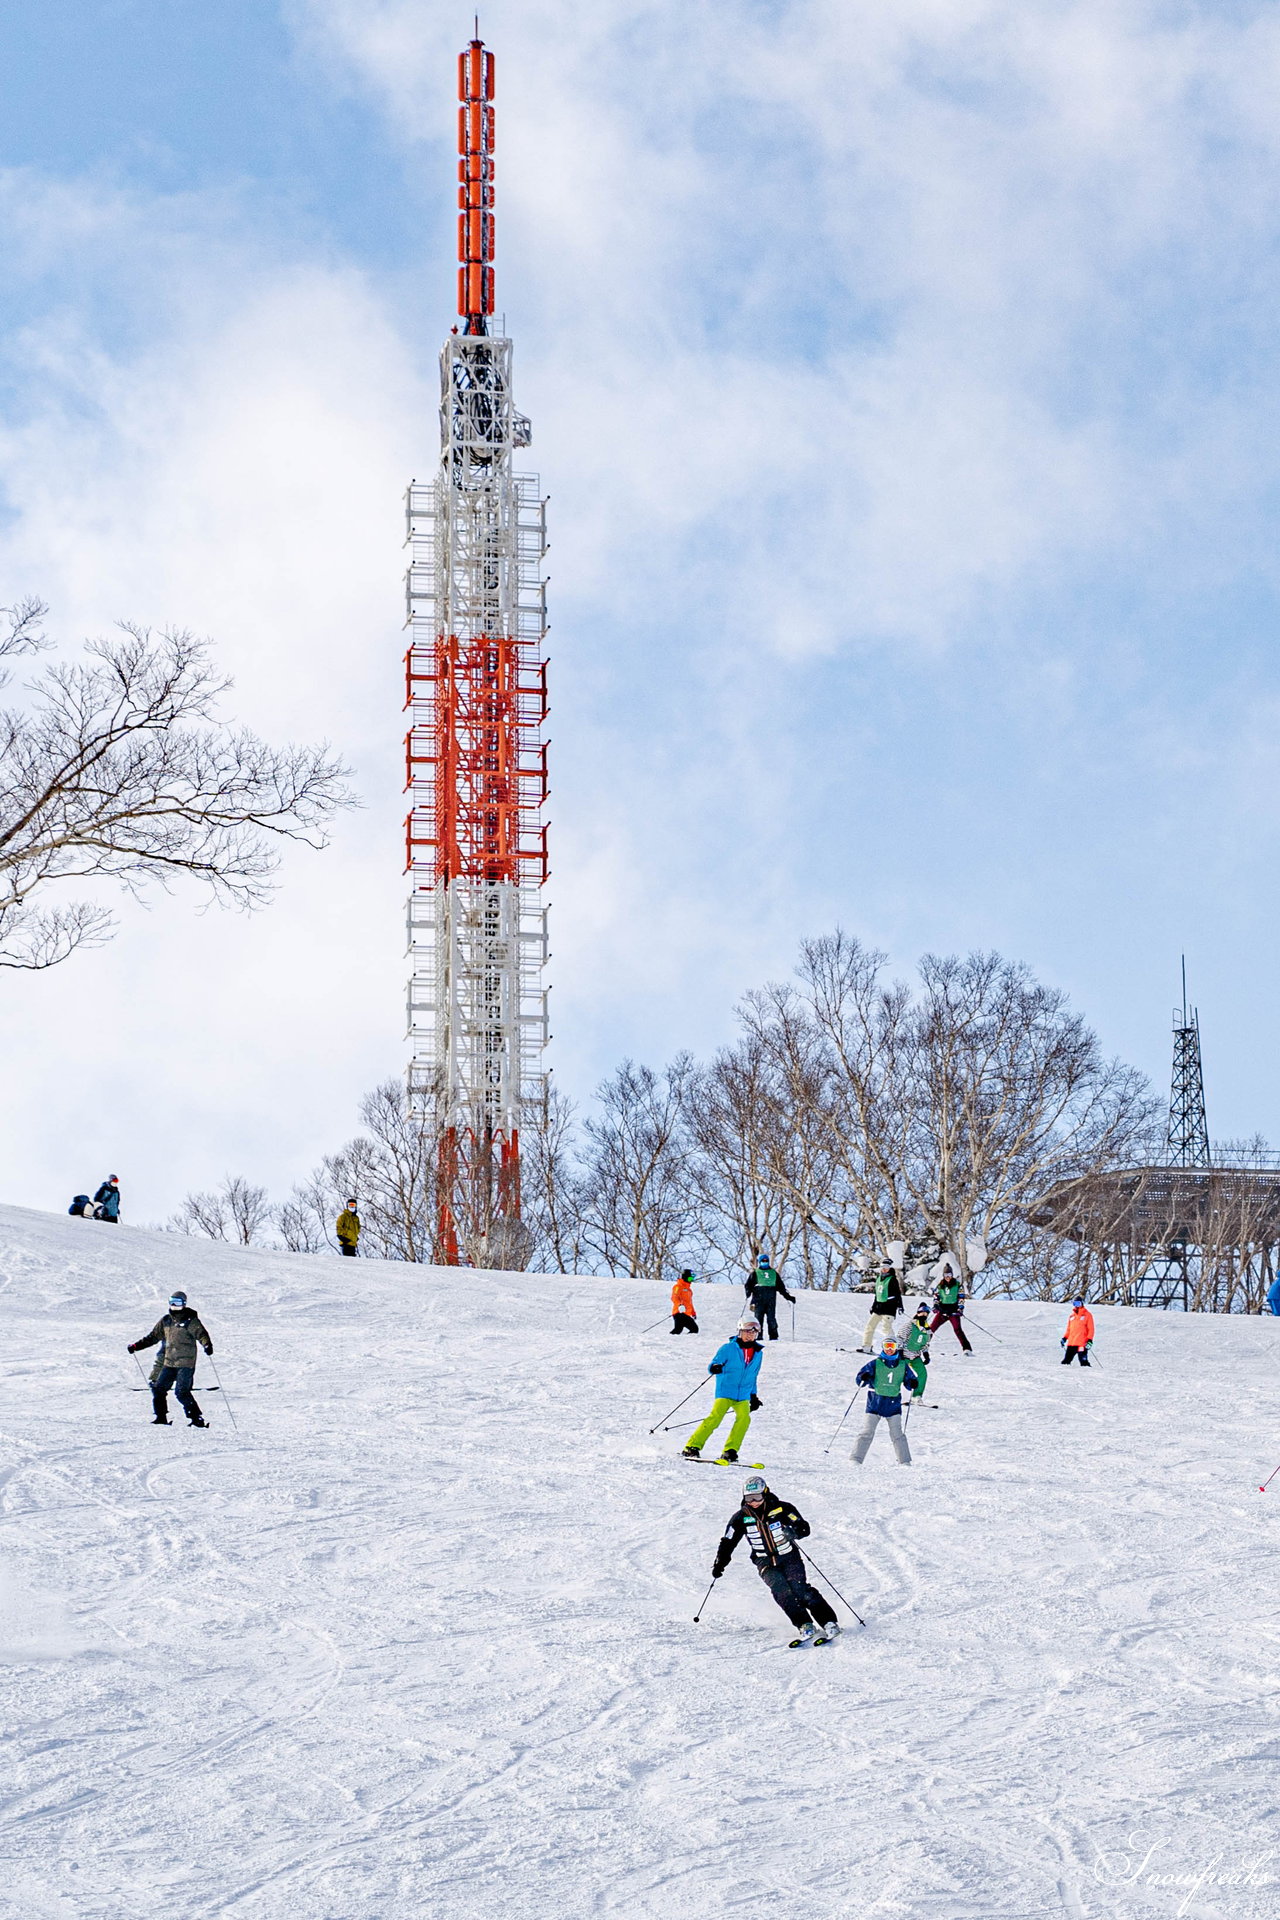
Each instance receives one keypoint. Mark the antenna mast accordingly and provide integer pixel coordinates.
(476, 766)
(1187, 1141)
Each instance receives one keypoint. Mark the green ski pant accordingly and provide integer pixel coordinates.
(921, 1372)
(741, 1421)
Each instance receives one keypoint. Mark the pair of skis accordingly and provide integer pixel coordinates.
(824, 1637)
(750, 1466)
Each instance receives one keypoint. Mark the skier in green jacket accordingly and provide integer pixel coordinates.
(948, 1305)
(885, 1376)
(885, 1307)
(916, 1348)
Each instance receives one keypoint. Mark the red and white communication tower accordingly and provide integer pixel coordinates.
(476, 688)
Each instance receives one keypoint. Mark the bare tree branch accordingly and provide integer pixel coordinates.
(122, 770)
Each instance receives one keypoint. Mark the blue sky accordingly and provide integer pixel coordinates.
(904, 378)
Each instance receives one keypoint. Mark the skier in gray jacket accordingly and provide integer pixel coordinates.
(179, 1329)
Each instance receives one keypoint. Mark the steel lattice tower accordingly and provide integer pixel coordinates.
(476, 769)
(1187, 1141)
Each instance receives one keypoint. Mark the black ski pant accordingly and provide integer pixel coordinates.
(348, 1248)
(788, 1582)
(684, 1323)
(764, 1304)
(1075, 1353)
(179, 1378)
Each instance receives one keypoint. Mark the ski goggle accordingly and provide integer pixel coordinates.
(890, 1346)
(177, 1299)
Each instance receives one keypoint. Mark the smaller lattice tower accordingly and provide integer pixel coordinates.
(476, 845)
(1187, 1141)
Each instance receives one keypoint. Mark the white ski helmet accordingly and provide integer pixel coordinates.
(748, 1325)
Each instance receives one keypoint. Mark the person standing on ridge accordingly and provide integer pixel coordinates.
(916, 1348)
(885, 1306)
(948, 1305)
(1078, 1338)
(683, 1312)
(885, 1376)
(737, 1367)
(106, 1201)
(772, 1527)
(762, 1290)
(179, 1329)
(348, 1229)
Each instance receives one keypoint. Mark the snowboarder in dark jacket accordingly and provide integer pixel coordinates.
(106, 1201)
(772, 1527)
(762, 1290)
(180, 1329)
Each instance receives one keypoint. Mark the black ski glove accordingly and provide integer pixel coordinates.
(132, 1348)
(716, 1572)
(209, 1351)
(715, 1367)
(754, 1404)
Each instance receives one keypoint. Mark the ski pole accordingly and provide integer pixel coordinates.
(138, 1364)
(836, 1435)
(835, 1589)
(706, 1596)
(1267, 1482)
(222, 1390)
(657, 1323)
(991, 1336)
(680, 1403)
(793, 1319)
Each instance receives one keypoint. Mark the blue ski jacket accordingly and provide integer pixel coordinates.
(883, 1402)
(1273, 1295)
(740, 1368)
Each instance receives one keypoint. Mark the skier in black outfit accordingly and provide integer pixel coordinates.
(772, 1528)
(762, 1290)
(180, 1329)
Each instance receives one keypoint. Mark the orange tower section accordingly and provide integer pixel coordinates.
(476, 768)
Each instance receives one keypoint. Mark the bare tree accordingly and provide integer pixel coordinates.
(119, 768)
(941, 1114)
(550, 1195)
(634, 1205)
(237, 1210)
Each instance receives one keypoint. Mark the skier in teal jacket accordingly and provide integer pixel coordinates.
(736, 1368)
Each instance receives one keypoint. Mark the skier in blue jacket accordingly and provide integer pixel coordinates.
(736, 1366)
(1273, 1295)
(885, 1376)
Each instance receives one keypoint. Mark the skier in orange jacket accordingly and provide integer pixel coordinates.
(684, 1317)
(1078, 1338)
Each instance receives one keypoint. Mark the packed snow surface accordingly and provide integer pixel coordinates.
(417, 1639)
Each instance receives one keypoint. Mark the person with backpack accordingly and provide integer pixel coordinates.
(916, 1349)
(684, 1315)
(348, 1230)
(1078, 1338)
(180, 1329)
(886, 1305)
(762, 1290)
(772, 1527)
(885, 1377)
(106, 1201)
(736, 1367)
(948, 1306)
(81, 1206)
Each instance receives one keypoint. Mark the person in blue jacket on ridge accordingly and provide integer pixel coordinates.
(1273, 1295)
(737, 1367)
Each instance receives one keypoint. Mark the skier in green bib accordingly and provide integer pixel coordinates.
(885, 1376)
(916, 1349)
(947, 1305)
(885, 1307)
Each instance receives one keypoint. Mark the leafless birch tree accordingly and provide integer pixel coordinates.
(118, 767)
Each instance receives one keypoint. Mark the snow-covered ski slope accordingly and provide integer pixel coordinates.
(418, 1639)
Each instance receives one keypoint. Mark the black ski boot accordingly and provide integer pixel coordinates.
(162, 1420)
(198, 1420)
(691, 1453)
(731, 1455)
